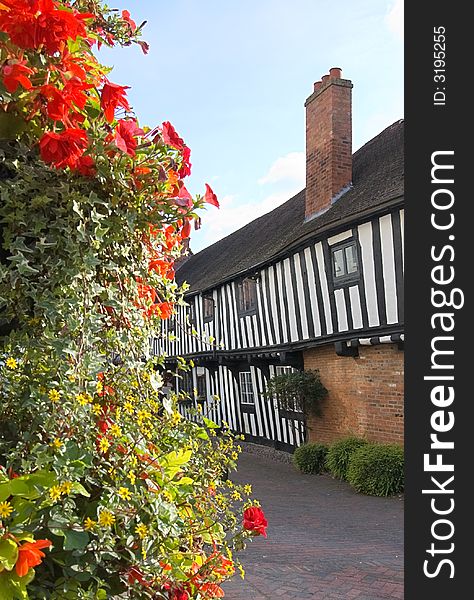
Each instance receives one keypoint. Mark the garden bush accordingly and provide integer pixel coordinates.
(105, 490)
(377, 469)
(310, 458)
(339, 454)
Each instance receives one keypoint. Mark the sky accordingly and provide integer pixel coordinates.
(232, 76)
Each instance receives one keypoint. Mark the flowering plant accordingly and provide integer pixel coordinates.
(104, 488)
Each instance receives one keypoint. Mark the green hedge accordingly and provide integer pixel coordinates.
(339, 454)
(377, 469)
(310, 458)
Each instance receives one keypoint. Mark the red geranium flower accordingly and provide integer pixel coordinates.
(63, 149)
(112, 96)
(14, 73)
(210, 197)
(30, 555)
(35, 24)
(170, 136)
(86, 167)
(125, 133)
(165, 309)
(254, 520)
(127, 19)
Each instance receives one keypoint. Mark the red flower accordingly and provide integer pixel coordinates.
(30, 555)
(112, 96)
(86, 167)
(186, 229)
(135, 574)
(56, 27)
(36, 24)
(14, 73)
(125, 133)
(165, 309)
(63, 149)
(254, 520)
(127, 19)
(210, 197)
(185, 168)
(170, 137)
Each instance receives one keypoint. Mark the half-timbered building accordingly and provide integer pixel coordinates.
(315, 284)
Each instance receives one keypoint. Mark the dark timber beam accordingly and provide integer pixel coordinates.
(342, 349)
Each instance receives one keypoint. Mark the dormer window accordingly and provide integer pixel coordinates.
(247, 296)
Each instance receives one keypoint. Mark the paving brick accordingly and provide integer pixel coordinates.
(324, 542)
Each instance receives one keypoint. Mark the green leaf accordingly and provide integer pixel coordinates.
(78, 488)
(23, 510)
(8, 554)
(75, 540)
(210, 424)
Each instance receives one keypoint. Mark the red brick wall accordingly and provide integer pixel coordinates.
(365, 393)
(328, 142)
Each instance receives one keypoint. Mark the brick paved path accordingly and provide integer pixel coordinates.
(324, 541)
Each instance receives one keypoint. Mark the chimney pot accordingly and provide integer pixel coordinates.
(317, 85)
(335, 73)
(325, 78)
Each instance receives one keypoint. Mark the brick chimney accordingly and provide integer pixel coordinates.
(328, 142)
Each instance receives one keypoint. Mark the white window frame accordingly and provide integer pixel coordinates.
(247, 392)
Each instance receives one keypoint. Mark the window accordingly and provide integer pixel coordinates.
(192, 312)
(284, 370)
(201, 387)
(208, 308)
(345, 262)
(246, 388)
(293, 404)
(247, 296)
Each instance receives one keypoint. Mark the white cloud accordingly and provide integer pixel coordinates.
(394, 18)
(290, 167)
(233, 215)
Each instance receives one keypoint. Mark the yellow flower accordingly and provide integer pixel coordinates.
(97, 409)
(128, 408)
(89, 524)
(11, 363)
(56, 443)
(66, 488)
(144, 553)
(83, 398)
(99, 387)
(125, 493)
(141, 530)
(132, 477)
(54, 395)
(118, 412)
(176, 418)
(236, 496)
(115, 431)
(234, 455)
(104, 445)
(55, 492)
(248, 489)
(6, 509)
(106, 518)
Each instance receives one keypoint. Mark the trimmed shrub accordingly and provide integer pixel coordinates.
(310, 458)
(340, 453)
(377, 469)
